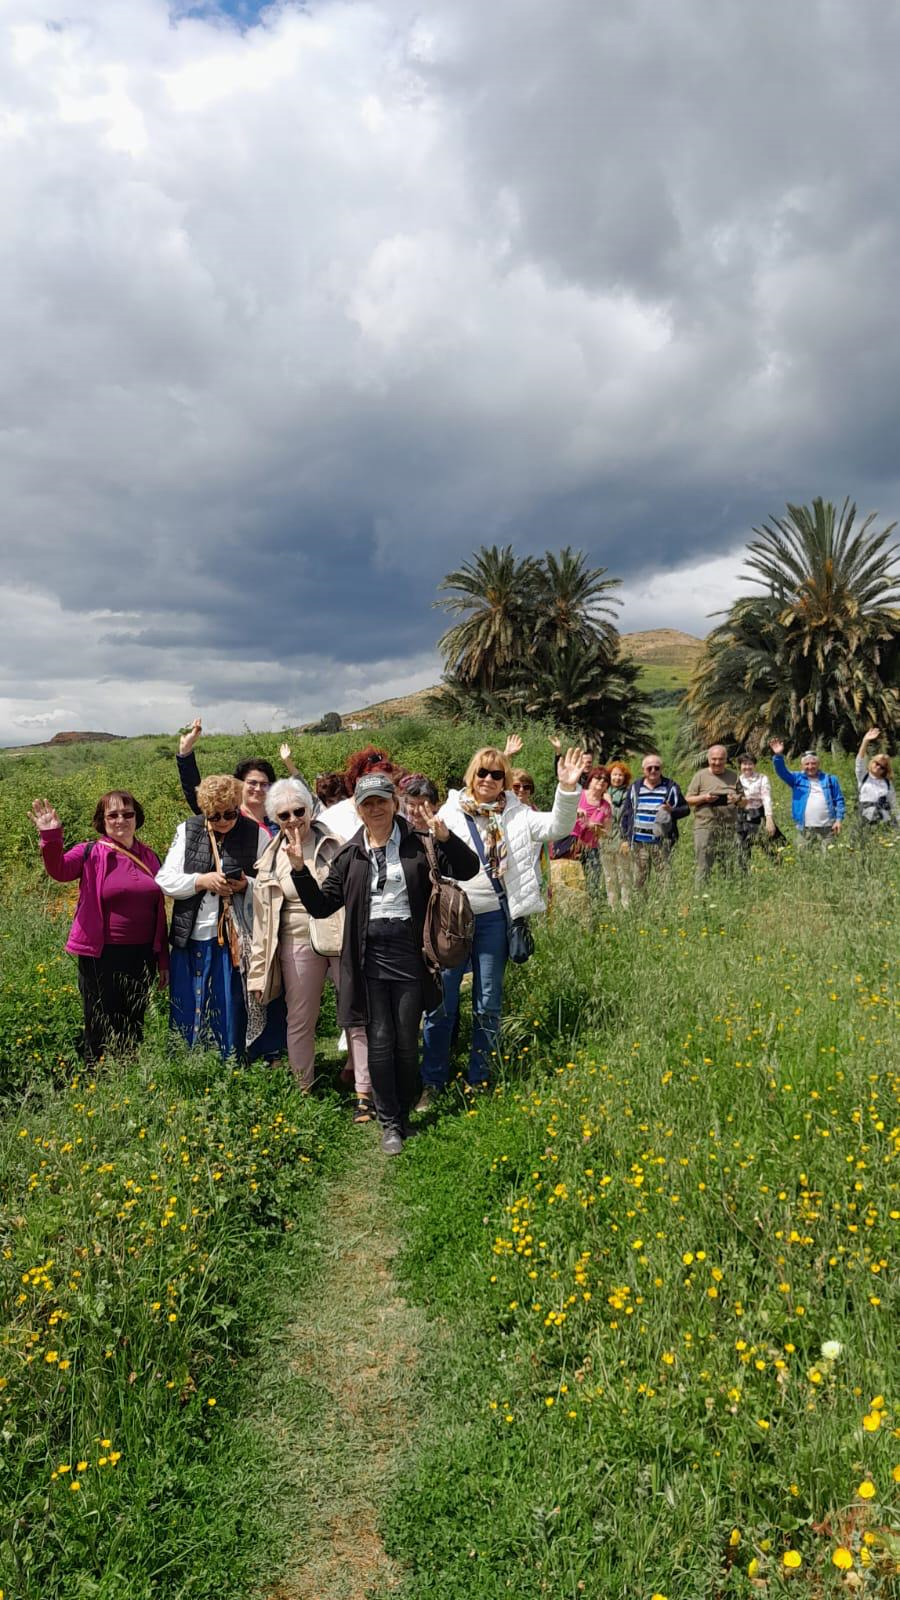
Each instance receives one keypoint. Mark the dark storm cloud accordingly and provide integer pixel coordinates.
(297, 314)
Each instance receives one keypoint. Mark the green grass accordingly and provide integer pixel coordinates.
(150, 1215)
(641, 1242)
(654, 676)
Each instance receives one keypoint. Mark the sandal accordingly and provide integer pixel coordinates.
(365, 1111)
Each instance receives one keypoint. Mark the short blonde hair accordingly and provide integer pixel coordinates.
(489, 756)
(889, 770)
(220, 792)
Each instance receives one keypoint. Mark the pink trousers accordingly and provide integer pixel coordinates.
(303, 973)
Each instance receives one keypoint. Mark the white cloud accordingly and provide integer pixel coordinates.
(686, 597)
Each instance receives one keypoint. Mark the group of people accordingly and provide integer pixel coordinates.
(627, 828)
(277, 885)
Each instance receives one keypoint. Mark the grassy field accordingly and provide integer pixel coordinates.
(667, 1249)
(657, 1265)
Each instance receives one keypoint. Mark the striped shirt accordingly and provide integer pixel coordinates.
(648, 803)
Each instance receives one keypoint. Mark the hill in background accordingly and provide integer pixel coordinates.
(666, 655)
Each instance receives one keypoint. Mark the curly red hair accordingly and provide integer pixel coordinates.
(368, 760)
(623, 768)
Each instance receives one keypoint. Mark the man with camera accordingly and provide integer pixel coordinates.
(712, 797)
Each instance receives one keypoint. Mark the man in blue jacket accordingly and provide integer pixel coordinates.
(817, 804)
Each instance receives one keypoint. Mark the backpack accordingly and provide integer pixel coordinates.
(449, 918)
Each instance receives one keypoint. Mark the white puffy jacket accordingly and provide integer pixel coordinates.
(523, 829)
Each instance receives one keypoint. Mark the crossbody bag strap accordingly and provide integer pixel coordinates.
(495, 883)
(120, 850)
(431, 857)
(223, 931)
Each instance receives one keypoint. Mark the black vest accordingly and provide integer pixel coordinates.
(238, 849)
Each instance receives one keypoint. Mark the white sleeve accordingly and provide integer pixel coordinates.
(557, 823)
(171, 877)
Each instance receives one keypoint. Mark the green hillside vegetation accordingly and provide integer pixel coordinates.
(624, 1328)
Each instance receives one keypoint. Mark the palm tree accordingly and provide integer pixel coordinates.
(815, 656)
(582, 689)
(494, 596)
(575, 601)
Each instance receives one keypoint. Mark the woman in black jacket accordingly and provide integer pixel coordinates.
(381, 878)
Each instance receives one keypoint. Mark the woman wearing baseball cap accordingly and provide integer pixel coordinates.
(382, 880)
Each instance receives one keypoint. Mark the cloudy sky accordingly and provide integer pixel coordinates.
(302, 303)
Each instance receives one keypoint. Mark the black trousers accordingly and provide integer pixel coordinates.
(395, 1003)
(395, 1011)
(115, 988)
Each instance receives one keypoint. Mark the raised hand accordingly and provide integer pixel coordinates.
(188, 740)
(293, 844)
(513, 745)
(871, 736)
(777, 747)
(284, 750)
(435, 824)
(555, 740)
(569, 766)
(43, 816)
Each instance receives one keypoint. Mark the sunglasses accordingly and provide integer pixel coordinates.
(296, 811)
(496, 773)
(126, 816)
(526, 788)
(653, 766)
(223, 816)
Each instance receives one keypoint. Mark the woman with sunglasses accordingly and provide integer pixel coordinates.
(875, 784)
(206, 872)
(119, 929)
(292, 953)
(504, 832)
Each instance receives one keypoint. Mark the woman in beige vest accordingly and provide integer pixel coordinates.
(293, 951)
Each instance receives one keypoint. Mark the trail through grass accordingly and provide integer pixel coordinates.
(345, 1415)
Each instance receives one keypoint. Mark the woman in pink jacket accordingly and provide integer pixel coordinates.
(119, 929)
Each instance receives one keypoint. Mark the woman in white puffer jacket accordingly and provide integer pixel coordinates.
(489, 817)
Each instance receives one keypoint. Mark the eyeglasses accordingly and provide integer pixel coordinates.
(222, 816)
(126, 816)
(256, 783)
(296, 811)
(526, 788)
(653, 766)
(496, 773)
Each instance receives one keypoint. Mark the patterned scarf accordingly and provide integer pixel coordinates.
(487, 819)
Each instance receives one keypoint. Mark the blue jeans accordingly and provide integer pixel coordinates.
(489, 952)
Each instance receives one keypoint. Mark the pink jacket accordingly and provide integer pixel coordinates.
(86, 933)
